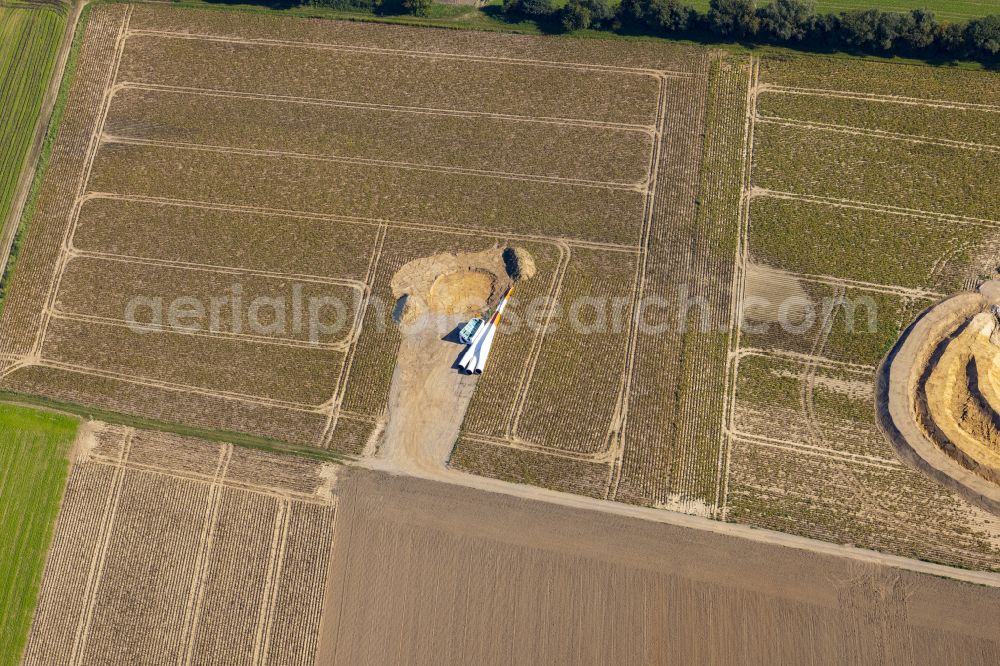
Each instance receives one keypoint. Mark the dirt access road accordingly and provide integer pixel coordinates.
(425, 572)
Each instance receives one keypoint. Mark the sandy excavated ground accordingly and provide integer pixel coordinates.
(937, 398)
(431, 573)
(429, 395)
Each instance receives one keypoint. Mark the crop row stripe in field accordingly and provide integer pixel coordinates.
(382, 78)
(700, 434)
(866, 371)
(419, 110)
(412, 166)
(97, 562)
(596, 214)
(173, 386)
(860, 131)
(867, 205)
(667, 226)
(740, 260)
(334, 412)
(521, 445)
(192, 609)
(432, 55)
(357, 285)
(340, 346)
(371, 221)
(915, 101)
(476, 143)
(895, 290)
(188, 475)
(84, 179)
(616, 437)
(809, 449)
(279, 542)
(531, 358)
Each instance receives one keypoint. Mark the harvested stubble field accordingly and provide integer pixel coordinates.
(174, 180)
(169, 548)
(203, 150)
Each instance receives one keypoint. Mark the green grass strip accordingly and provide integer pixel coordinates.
(34, 463)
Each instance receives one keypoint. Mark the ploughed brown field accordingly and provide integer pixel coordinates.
(518, 581)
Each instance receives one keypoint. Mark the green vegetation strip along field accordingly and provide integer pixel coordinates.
(875, 78)
(34, 461)
(954, 124)
(865, 245)
(29, 40)
(877, 170)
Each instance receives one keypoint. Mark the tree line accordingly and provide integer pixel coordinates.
(792, 23)
(783, 22)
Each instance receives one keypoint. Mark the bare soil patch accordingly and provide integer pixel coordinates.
(428, 396)
(536, 582)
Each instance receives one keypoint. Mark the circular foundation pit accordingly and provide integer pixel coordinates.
(464, 292)
(938, 395)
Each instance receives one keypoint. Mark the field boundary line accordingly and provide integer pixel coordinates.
(196, 592)
(368, 162)
(875, 207)
(600, 457)
(821, 361)
(368, 221)
(84, 180)
(29, 168)
(528, 371)
(396, 108)
(615, 441)
(340, 388)
(875, 97)
(290, 343)
(269, 598)
(737, 287)
(833, 281)
(172, 386)
(818, 451)
(184, 475)
(879, 134)
(76, 253)
(694, 522)
(431, 55)
(101, 546)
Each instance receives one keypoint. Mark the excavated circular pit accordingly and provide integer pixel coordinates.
(938, 395)
(465, 292)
